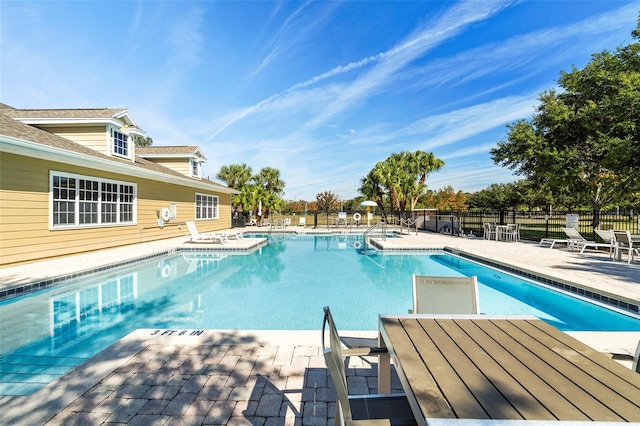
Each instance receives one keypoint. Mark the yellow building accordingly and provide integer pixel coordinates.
(72, 180)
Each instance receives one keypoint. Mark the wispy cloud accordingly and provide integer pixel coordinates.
(386, 63)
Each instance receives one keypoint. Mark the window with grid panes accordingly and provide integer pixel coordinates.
(85, 201)
(206, 206)
(120, 143)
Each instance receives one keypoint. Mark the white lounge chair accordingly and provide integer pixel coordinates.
(606, 236)
(623, 242)
(355, 410)
(575, 239)
(445, 295)
(232, 235)
(552, 242)
(302, 221)
(207, 237)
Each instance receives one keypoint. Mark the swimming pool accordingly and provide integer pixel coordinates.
(282, 285)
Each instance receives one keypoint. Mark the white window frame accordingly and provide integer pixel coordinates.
(207, 206)
(126, 202)
(126, 144)
(195, 168)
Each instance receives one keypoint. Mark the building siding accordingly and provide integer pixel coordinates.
(24, 216)
(94, 137)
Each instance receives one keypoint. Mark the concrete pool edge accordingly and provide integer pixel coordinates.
(607, 299)
(243, 246)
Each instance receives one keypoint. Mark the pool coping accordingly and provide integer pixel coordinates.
(43, 284)
(603, 297)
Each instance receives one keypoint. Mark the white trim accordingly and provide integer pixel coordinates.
(45, 152)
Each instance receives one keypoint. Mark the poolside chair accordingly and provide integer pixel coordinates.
(575, 239)
(606, 236)
(512, 232)
(231, 235)
(359, 409)
(302, 221)
(624, 242)
(553, 241)
(445, 295)
(489, 231)
(207, 237)
(342, 219)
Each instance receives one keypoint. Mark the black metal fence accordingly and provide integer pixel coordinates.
(534, 225)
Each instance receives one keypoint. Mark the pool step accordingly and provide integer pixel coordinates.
(25, 374)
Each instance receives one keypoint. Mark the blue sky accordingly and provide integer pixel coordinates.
(320, 90)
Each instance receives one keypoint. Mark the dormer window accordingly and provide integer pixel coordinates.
(120, 144)
(195, 168)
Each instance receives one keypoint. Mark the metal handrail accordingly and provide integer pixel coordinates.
(382, 225)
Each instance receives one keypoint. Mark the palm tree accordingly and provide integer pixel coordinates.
(235, 176)
(269, 179)
(271, 189)
(401, 177)
(422, 163)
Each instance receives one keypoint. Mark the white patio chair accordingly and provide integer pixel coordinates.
(206, 237)
(623, 242)
(575, 239)
(445, 295)
(354, 410)
(302, 221)
(512, 233)
(489, 231)
(606, 236)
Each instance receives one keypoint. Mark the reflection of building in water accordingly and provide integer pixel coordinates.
(202, 263)
(80, 312)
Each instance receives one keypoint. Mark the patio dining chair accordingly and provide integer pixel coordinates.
(624, 242)
(512, 233)
(371, 409)
(489, 231)
(445, 295)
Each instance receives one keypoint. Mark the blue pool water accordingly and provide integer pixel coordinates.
(283, 285)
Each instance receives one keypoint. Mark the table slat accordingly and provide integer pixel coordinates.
(455, 390)
(515, 380)
(554, 370)
(409, 364)
(586, 374)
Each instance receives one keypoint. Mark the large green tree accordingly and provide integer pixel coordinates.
(583, 141)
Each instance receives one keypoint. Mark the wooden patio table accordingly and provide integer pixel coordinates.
(509, 368)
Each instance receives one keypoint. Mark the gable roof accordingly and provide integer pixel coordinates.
(116, 116)
(185, 151)
(23, 139)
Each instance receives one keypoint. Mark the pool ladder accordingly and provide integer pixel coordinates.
(365, 235)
